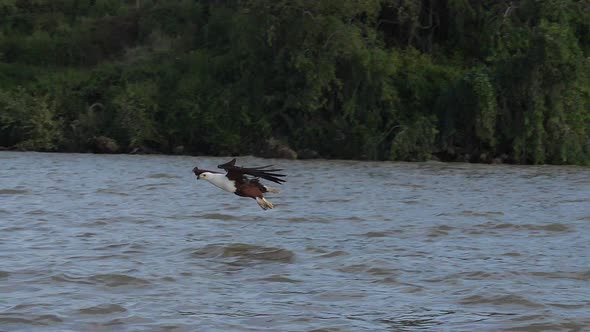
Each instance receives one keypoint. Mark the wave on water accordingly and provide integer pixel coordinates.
(103, 309)
(218, 216)
(554, 227)
(245, 253)
(7, 319)
(108, 279)
(111, 192)
(10, 192)
(116, 280)
(279, 278)
(573, 275)
(163, 176)
(500, 300)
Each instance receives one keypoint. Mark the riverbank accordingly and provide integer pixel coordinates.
(279, 151)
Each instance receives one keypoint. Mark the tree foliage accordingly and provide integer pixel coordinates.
(368, 79)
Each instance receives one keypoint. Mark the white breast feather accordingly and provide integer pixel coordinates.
(221, 181)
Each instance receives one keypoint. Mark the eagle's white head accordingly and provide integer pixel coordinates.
(205, 176)
(218, 180)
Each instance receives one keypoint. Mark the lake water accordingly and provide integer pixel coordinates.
(135, 243)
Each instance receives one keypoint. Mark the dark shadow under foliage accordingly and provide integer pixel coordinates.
(374, 79)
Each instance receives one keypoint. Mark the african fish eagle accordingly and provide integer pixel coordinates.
(243, 181)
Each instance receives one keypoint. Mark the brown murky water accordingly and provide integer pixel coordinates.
(135, 243)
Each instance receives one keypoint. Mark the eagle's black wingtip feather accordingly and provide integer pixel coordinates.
(228, 164)
(259, 171)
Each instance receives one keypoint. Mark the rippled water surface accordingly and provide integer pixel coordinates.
(135, 243)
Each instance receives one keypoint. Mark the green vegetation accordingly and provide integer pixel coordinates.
(355, 79)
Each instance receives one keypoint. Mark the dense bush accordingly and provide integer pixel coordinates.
(370, 79)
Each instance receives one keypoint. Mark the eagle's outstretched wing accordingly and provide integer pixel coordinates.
(235, 172)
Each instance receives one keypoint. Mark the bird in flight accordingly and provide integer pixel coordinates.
(243, 181)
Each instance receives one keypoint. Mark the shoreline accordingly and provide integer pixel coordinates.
(434, 159)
